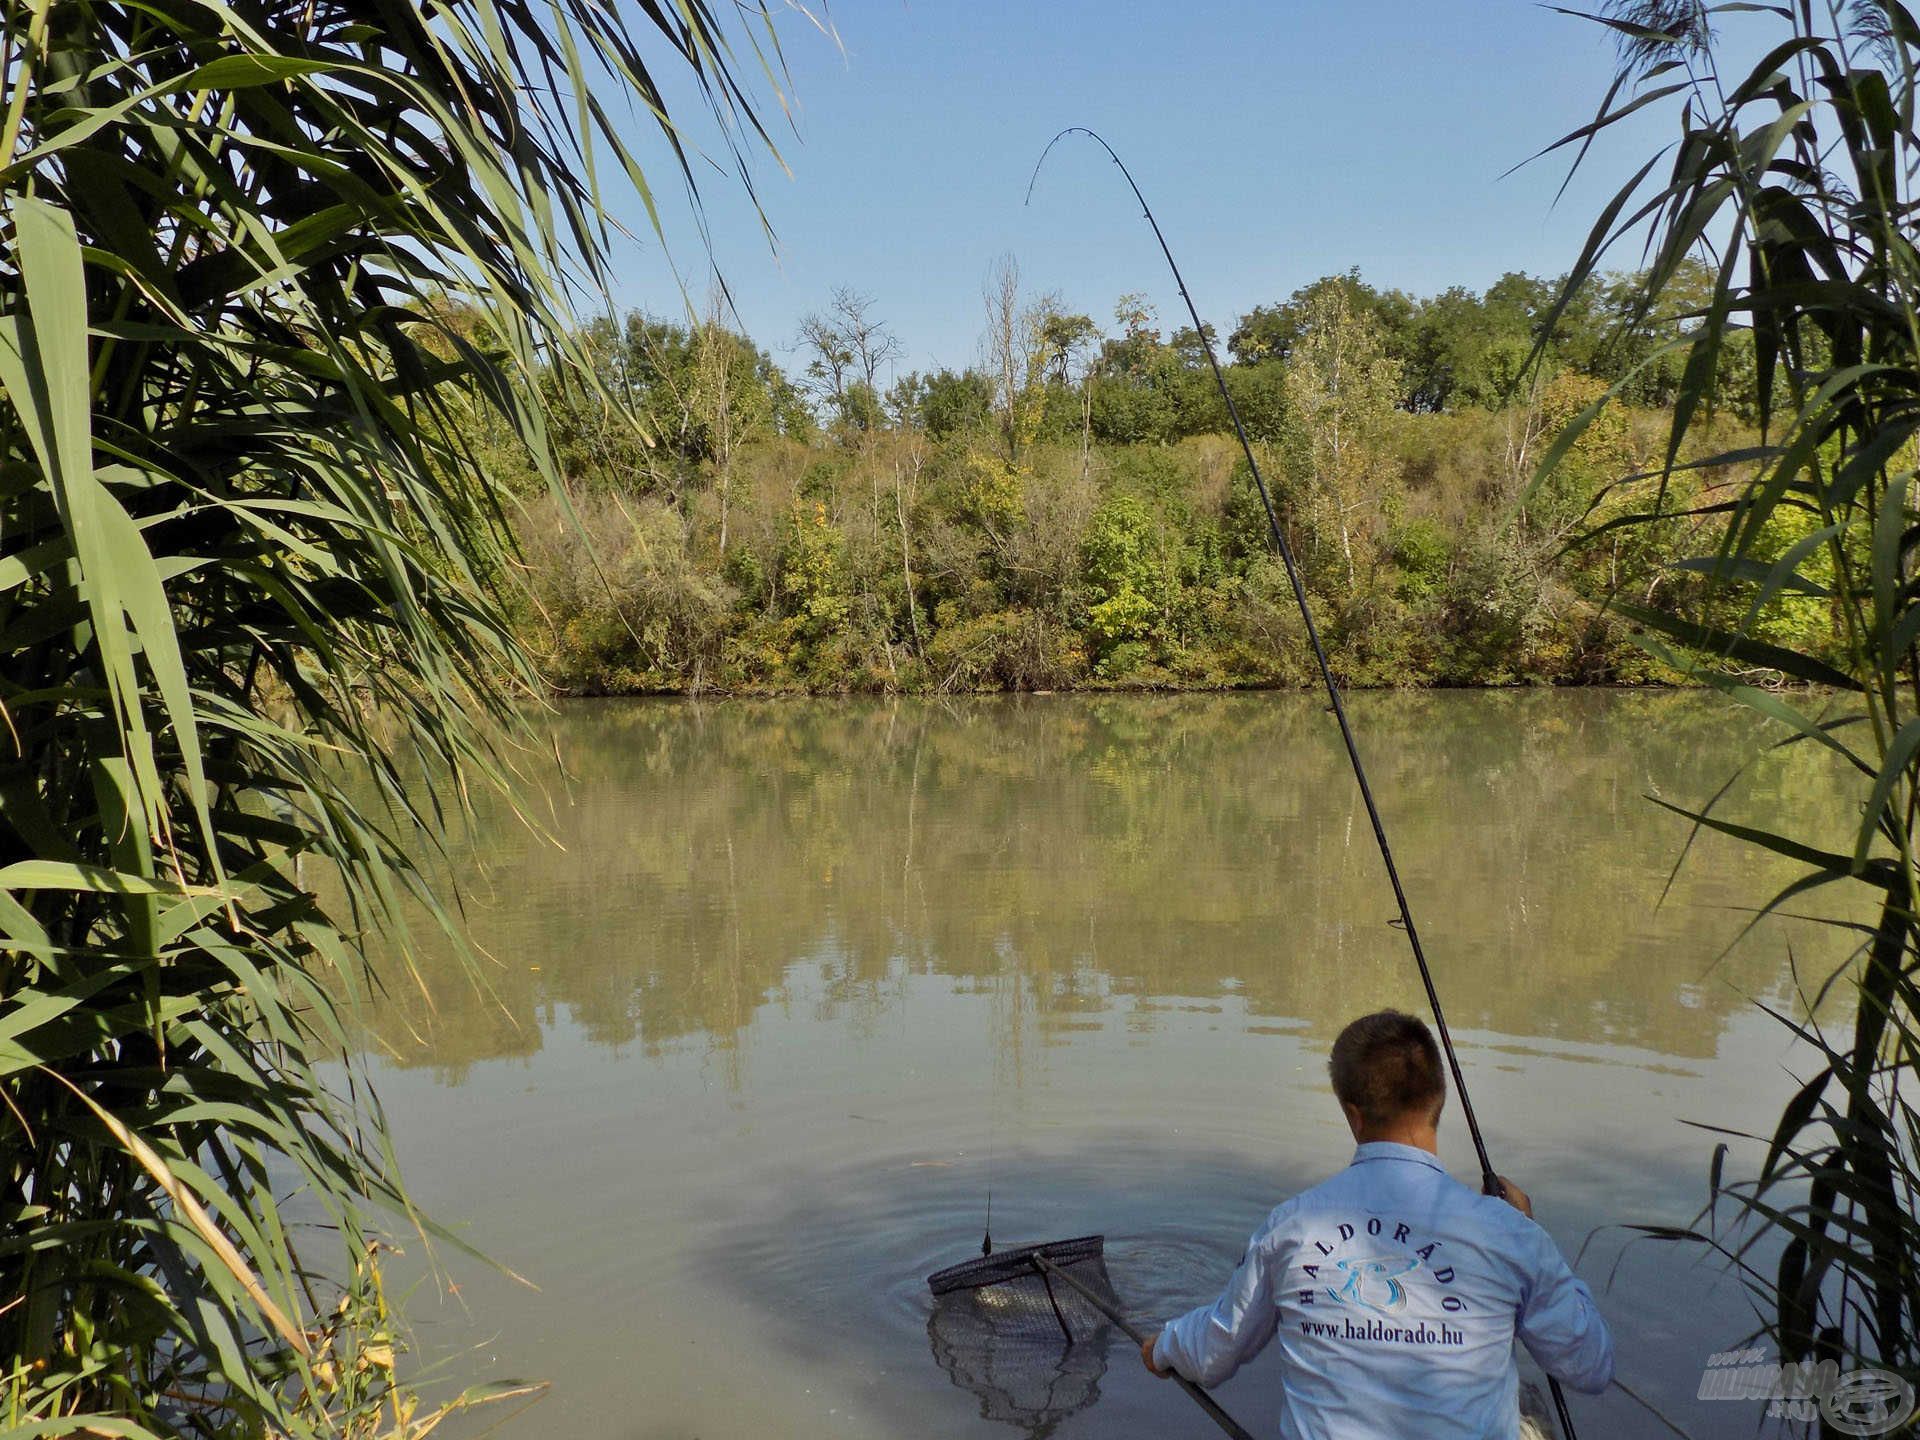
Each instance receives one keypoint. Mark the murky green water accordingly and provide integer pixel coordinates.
(800, 978)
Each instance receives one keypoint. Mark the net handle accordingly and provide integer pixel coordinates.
(1205, 1401)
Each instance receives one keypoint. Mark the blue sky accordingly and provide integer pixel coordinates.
(1277, 142)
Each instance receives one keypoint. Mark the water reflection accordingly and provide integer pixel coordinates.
(1074, 857)
(803, 982)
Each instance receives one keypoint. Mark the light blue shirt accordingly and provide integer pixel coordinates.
(1396, 1294)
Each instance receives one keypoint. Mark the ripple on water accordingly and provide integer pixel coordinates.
(860, 1250)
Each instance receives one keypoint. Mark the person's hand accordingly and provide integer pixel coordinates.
(1515, 1196)
(1146, 1357)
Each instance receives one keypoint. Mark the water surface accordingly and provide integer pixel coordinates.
(800, 982)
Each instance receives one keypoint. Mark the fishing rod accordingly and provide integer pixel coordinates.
(1490, 1182)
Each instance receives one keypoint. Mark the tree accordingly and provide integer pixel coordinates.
(1021, 338)
(1190, 346)
(830, 362)
(848, 347)
(908, 464)
(1466, 349)
(1128, 584)
(1066, 342)
(1341, 386)
(1269, 332)
(1608, 333)
(1135, 379)
(698, 392)
(1066, 346)
(734, 394)
(948, 402)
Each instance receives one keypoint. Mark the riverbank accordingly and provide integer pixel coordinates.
(900, 565)
(1664, 680)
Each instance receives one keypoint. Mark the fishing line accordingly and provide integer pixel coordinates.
(1490, 1182)
(986, 1240)
(993, 1120)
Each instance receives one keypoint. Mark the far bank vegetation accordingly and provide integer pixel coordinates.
(1072, 511)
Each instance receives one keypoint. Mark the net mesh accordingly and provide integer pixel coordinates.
(1015, 1295)
(1032, 1350)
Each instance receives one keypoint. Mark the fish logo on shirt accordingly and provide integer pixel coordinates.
(1373, 1282)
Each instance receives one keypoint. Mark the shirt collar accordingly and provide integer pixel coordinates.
(1389, 1150)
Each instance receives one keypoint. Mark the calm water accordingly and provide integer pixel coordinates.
(799, 980)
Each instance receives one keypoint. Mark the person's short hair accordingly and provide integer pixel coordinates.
(1387, 1065)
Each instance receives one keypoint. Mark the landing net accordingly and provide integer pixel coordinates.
(1029, 1348)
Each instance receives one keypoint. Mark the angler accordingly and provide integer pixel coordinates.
(1394, 1292)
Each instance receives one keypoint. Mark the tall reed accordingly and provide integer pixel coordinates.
(259, 263)
(1795, 180)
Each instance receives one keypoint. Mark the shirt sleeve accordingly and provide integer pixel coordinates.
(1207, 1345)
(1560, 1325)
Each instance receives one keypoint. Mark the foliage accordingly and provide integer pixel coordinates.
(813, 573)
(1792, 179)
(945, 403)
(1127, 581)
(1139, 558)
(848, 345)
(1401, 434)
(1340, 388)
(645, 616)
(276, 282)
(695, 390)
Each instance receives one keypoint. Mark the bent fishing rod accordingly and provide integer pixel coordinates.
(1489, 1180)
